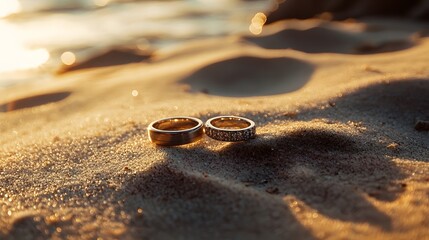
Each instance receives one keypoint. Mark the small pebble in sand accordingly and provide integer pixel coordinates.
(272, 190)
(126, 169)
(264, 181)
(422, 125)
(247, 183)
(205, 91)
(139, 211)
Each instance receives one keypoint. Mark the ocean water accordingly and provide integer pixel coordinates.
(35, 35)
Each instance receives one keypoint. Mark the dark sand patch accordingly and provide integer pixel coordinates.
(313, 40)
(388, 46)
(200, 207)
(344, 9)
(28, 224)
(250, 76)
(321, 39)
(311, 162)
(33, 101)
(422, 125)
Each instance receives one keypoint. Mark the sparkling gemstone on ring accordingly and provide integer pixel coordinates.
(230, 128)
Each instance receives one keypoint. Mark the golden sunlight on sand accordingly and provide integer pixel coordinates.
(340, 109)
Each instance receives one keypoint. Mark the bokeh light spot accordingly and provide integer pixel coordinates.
(256, 30)
(134, 93)
(68, 58)
(257, 23)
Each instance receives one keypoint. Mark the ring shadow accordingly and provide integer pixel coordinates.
(195, 206)
(315, 164)
(238, 190)
(311, 164)
(333, 172)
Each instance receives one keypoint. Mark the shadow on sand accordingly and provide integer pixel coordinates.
(239, 190)
(33, 101)
(333, 40)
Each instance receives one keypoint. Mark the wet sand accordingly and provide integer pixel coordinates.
(337, 155)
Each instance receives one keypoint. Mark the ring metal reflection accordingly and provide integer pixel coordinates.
(174, 131)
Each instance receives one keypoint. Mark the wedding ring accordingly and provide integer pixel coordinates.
(230, 128)
(175, 131)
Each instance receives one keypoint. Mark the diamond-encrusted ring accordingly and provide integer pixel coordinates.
(174, 131)
(230, 128)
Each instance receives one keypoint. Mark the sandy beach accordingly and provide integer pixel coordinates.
(337, 153)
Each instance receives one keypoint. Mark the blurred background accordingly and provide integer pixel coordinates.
(44, 37)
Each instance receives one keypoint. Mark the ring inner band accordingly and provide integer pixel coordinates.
(175, 131)
(177, 124)
(230, 123)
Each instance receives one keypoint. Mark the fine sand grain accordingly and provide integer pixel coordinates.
(337, 155)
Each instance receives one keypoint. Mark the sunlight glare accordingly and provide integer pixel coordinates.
(15, 55)
(8, 7)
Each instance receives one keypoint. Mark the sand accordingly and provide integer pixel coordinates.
(337, 155)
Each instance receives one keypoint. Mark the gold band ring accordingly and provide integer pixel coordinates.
(175, 131)
(230, 128)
